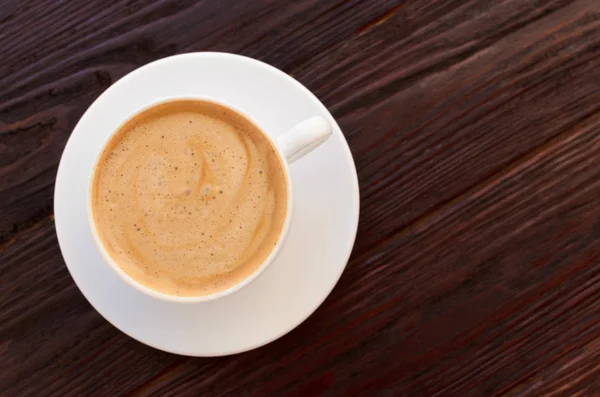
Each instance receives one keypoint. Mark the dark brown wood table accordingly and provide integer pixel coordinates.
(475, 127)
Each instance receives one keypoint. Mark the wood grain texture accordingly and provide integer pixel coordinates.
(475, 127)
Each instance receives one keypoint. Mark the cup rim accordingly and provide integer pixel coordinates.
(199, 298)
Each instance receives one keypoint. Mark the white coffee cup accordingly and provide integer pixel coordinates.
(291, 146)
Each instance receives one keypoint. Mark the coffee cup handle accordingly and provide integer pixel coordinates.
(304, 138)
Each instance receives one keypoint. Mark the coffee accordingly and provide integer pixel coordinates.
(189, 197)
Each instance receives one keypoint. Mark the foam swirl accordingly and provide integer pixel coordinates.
(189, 198)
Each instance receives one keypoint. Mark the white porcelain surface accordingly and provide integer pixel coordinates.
(312, 259)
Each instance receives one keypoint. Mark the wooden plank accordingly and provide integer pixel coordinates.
(476, 132)
(52, 342)
(436, 140)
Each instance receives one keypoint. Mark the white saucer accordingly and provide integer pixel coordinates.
(320, 240)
